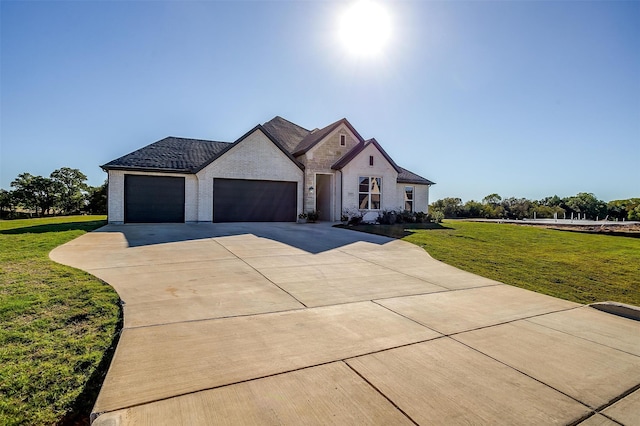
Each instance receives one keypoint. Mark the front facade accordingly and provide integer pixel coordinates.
(272, 173)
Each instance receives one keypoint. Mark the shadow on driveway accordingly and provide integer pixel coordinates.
(312, 238)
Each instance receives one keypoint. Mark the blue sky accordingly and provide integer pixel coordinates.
(522, 98)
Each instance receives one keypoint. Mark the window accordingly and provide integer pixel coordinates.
(408, 198)
(371, 160)
(343, 140)
(369, 193)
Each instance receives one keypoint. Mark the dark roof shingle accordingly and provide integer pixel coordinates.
(313, 138)
(288, 134)
(170, 154)
(405, 176)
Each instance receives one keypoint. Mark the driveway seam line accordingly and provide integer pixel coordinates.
(421, 278)
(580, 337)
(510, 321)
(381, 393)
(525, 374)
(272, 282)
(261, 274)
(272, 374)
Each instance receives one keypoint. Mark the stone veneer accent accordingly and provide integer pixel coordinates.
(319, 159)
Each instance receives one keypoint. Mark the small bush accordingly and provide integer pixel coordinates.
(437, 216)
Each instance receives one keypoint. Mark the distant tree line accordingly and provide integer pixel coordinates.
(493, 206)
(64, 192)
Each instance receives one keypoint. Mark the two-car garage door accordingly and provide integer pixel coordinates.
(154, 199)
(238, 200)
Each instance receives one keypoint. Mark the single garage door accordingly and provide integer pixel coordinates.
(153, 199)
(236, 200)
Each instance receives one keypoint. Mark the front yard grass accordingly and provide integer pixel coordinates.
(57, 324)
(583, 268)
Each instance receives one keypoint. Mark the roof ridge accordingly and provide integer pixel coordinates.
(192, 139)
(288, 121)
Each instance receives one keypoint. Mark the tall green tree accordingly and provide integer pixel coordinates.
(35, 193)
(7, 202)
(97, 199)
(587, 204)
(71, 186)
(451, 207)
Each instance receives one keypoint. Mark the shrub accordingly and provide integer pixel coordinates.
(437, 216)
(387, 217)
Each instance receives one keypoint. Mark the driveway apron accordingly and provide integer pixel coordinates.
(275, 323)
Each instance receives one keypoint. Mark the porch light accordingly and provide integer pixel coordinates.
(311, 190)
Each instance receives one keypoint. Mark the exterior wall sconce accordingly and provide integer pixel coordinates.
(311, 190)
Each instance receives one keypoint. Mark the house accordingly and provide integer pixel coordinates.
(274, 172)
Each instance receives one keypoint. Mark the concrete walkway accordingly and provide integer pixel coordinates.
(308, 324)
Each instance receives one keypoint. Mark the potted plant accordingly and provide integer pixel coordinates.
(302, 218)
(312, 216)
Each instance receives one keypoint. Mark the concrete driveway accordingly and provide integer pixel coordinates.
(308, 324)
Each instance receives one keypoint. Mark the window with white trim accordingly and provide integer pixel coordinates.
(408, 198)
(343, 140)
(369, 192)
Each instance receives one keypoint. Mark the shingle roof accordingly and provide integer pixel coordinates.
(313, 138)
(170, 154)
(288, 134)
(405, 176)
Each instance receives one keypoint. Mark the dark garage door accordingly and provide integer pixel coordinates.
(153, 199)
(236, 200)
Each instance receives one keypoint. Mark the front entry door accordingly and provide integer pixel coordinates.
(323, 197)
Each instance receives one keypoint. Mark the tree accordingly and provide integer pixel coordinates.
(473, 209)
(588, 205)
(72, 187)
(23, 193)
(622, 209)
(34, 192)
(450, 207)
(97, 199)
(7, 202)
(517, 208)
(492, 199)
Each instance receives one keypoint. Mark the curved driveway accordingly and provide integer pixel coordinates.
(309, 324)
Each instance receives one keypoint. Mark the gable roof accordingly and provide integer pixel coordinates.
(404, 175)
(170, 154)
(243, 137)
(313, 138)
(288, 134)
(346, 159)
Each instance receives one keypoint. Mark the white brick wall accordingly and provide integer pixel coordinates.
(359, 166)
(255, 157)
(420, 196)
(115, 208)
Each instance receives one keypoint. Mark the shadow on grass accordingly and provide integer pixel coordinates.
(56, 227)
(80, 412)
(398, 231)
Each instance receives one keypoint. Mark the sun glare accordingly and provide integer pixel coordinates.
(365, 28)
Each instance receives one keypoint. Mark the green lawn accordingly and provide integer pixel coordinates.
(583, 268)
(57, 324)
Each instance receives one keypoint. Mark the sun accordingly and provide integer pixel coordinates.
(365, 28)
